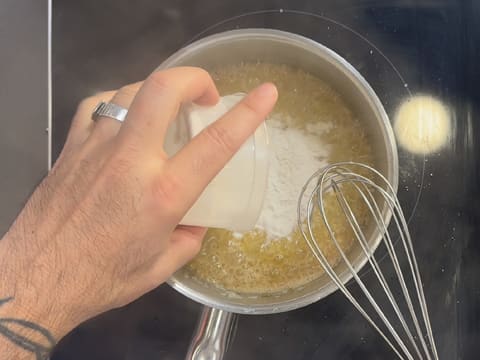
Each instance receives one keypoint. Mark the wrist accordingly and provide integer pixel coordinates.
(34, 316)
(31, 299)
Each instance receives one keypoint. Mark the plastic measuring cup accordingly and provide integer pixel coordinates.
(234, 198)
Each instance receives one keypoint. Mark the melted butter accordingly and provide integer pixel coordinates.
(254, 264)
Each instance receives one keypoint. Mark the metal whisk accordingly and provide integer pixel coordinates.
(407, 328)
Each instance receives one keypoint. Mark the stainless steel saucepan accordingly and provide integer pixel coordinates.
(273, 46)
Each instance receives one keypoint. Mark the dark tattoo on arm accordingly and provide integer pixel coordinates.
(12, 330)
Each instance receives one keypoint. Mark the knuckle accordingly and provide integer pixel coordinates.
(201, 72)
(128, 91)
(221, 138)
(160, 81)
(88, 103)
(192, 70)
(249, 108)
(199, 163)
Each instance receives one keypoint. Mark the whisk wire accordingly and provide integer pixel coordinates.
(360, 235)
(336, 279)
(380, 222)
(372, 260)
(334, 178)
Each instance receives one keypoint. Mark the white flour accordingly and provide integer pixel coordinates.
(296, 155)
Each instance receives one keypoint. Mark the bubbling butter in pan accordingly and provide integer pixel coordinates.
(315, 126)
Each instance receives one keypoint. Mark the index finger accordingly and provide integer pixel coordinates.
(158, 101)
(207, 153)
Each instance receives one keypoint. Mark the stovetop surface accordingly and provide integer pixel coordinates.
(403, 48)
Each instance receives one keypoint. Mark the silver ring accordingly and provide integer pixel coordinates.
(110, 110)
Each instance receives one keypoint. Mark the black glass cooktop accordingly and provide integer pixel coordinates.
(403, 48)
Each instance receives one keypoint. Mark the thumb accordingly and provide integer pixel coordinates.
(185, 243)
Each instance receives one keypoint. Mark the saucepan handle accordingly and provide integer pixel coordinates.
(212, 335)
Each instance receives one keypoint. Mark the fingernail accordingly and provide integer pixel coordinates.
(267, 90)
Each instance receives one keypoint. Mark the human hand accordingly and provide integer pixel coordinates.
(101, 229)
